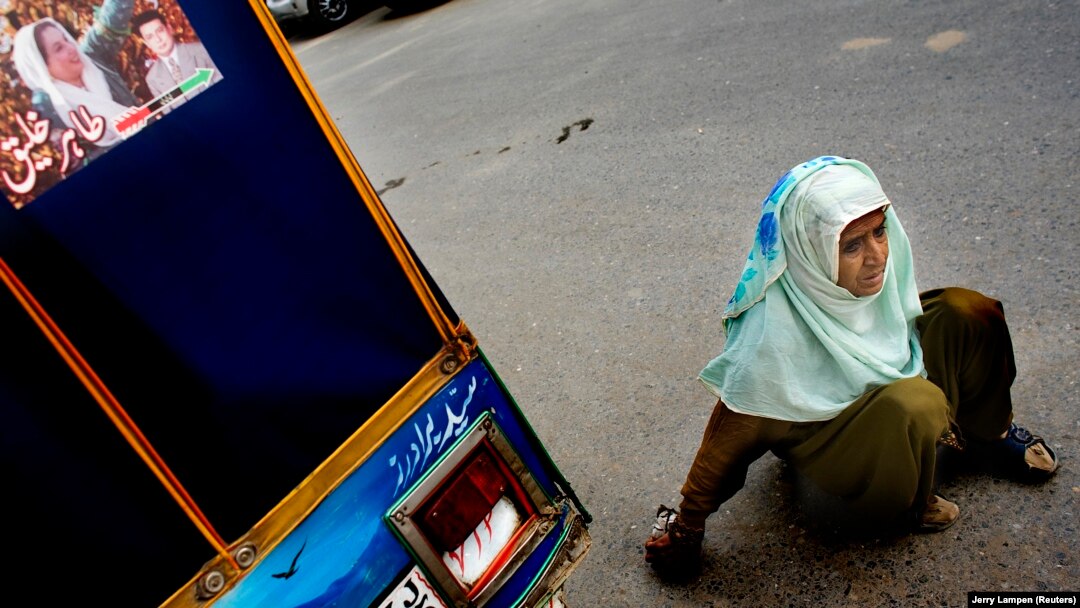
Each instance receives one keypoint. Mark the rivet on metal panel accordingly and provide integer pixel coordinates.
(399, 516)
(211, 584)
(449, 364)
(245, 555)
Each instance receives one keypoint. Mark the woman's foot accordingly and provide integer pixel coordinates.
(1019, 455)
(938, 515)
(674, 548)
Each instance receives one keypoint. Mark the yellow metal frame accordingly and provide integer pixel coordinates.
(108, 403)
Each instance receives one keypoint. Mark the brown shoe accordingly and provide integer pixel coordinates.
(674, 548)
(938, 515)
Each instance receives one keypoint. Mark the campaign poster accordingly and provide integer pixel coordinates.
(79, 77)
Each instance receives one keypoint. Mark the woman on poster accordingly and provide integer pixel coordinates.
(81, 82)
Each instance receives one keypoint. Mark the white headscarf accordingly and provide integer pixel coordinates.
(799, 346)
(96, 97)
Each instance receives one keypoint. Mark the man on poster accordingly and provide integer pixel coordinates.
(176, 61)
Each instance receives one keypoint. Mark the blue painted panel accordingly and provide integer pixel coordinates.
(345, 553)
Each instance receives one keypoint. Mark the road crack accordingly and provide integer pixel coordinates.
(582, 124)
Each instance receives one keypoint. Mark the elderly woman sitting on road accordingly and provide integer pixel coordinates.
(836, 363)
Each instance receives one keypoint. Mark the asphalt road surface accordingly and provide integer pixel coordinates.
(582, 178)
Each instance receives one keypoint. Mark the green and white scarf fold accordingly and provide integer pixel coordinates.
(799, 347)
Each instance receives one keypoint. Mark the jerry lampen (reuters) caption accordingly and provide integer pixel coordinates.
(1023, 598)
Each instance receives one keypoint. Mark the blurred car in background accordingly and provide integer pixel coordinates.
(319, 14)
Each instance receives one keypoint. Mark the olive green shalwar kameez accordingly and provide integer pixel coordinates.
(879, 453)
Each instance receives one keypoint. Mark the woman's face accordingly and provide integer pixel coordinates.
(864, 248)
(61, 56)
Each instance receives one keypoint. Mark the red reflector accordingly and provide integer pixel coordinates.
(458, 507)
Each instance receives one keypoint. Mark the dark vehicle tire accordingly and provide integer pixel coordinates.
(328, 14)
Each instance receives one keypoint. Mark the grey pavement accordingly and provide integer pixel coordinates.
(582, 179)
